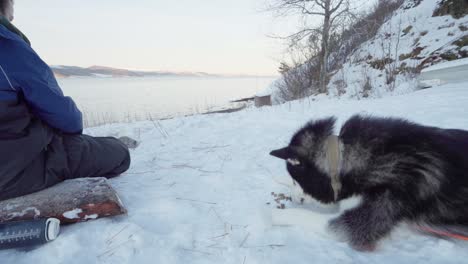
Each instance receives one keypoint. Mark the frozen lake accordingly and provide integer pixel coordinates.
(105, 100)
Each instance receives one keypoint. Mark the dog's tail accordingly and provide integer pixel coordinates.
(458, 232)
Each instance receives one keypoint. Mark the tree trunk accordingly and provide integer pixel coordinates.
(70, 201)
(324, 51)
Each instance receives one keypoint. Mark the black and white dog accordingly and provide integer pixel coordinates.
(402, 170)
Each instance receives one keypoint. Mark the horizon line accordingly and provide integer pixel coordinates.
(169, 71)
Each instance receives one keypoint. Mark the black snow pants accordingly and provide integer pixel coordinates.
(34, 156)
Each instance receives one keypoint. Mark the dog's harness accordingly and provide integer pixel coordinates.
(333, 157)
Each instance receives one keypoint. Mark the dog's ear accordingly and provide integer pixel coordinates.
(284, 153)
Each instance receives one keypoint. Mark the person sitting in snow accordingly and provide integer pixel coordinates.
(41, 140)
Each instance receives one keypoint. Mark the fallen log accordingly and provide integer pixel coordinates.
(71, 201)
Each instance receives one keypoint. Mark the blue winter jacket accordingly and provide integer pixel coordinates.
(23, 73)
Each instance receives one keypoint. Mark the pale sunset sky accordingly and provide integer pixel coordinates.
(216, 36)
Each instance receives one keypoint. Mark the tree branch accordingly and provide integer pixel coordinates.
(319, 4)
(340, 14)
(304, 32)
(301, 6)
(333, 10)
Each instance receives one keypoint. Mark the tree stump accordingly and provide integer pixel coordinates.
(71, 201)
(262, 100)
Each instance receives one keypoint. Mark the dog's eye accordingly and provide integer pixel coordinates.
(294, 162)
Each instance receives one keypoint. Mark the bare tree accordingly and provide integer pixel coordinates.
(331, 13)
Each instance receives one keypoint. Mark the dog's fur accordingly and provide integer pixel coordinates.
(404, 172)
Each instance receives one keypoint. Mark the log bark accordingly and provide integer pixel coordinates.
(71, 201)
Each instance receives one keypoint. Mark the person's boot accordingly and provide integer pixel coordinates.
(129, 142)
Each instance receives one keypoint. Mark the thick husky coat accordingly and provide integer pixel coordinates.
(404, 172)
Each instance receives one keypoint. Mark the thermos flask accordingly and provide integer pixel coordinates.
(28, 233)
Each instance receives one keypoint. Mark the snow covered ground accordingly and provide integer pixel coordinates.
(199, 187)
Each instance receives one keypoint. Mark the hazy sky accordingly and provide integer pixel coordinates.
(217, 36)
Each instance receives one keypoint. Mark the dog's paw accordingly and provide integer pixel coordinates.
(340, 231)
(363, 246)
(336, 227)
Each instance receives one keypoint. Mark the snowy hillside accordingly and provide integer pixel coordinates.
(200, 191)
(411, 40)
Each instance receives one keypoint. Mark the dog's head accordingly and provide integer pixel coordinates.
(312, 159)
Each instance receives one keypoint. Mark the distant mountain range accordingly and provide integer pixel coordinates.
(61, 71)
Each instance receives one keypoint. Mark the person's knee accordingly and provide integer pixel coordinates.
(124, 156)
(127, 160)
(96, 156)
